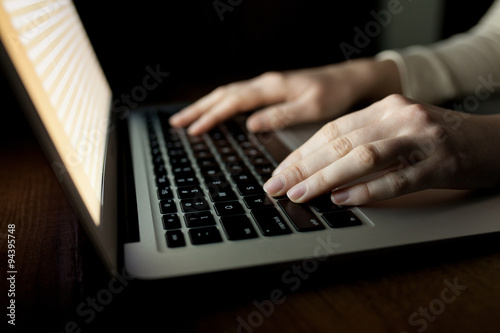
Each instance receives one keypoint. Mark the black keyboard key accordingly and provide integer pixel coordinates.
(260, 160)
(231, 159)
(220, 143)
(249, 188)
(158, 160)
(175, 238)
(238, 227)
(165, 192)
(221, 193)
(201, 219)
(199, 146)
(196, 204)
(171, 221)
(179, 161)
(188, 192)
(160, 170)
(238, 132)
(270, 222)
(324, 204)
(236, 168)
(216, 134)
(155, 152)
(205, 235)
(265, 172)
(178, 152)
(162, 181)
(243, 176)
(186, 179)
(226, 149)
(253, 153)
(204, 154)
(246, 145)
(173, 144)
(168, 206)
(207, 163)
(182, 170)
(258, 201)
(265, 169)
(301, 216)
(342, 219)
(229, 208)
(213, 172)
(195, 139)
(218, 179)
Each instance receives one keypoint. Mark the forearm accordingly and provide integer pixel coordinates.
(368, 79)
(451, 68)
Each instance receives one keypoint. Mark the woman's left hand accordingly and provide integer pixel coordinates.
(393, 147)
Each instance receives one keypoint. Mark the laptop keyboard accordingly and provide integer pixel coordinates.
(209, 188)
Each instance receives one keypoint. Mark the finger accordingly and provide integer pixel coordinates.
(223, 110)
(361, 162)
(278, 116)
(228, 100)
(398, 182)
(192, 112)
(321, 158)
(332, 131)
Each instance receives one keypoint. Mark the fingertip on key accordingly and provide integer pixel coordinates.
(275, 185)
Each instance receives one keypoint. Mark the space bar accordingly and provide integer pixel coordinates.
(301, 216)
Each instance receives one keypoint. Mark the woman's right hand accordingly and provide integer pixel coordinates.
(292, 97)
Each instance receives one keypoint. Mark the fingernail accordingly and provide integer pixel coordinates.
(275, 185)
(254, 124)
(297, 192)
(174, 119)
(194, 129)
(340, 197)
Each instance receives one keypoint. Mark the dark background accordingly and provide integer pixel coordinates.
(189, 40)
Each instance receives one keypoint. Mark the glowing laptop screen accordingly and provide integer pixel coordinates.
(54, 58)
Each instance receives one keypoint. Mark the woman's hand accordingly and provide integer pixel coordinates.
(292, 97)
(393, 147)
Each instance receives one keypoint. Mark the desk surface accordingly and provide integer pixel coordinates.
(451, 288)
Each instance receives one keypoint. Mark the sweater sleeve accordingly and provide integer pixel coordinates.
(453, 67)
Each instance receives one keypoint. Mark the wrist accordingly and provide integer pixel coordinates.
(374, 79)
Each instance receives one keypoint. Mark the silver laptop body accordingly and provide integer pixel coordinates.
(167, 235)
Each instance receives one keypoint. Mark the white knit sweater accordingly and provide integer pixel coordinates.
(453, 67)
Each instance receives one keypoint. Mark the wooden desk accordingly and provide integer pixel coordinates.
(452, 288)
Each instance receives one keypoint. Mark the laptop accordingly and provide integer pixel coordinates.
(187, 205)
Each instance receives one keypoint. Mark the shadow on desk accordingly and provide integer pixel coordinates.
(439, 288)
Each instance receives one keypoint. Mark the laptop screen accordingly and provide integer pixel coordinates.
(52, 55)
